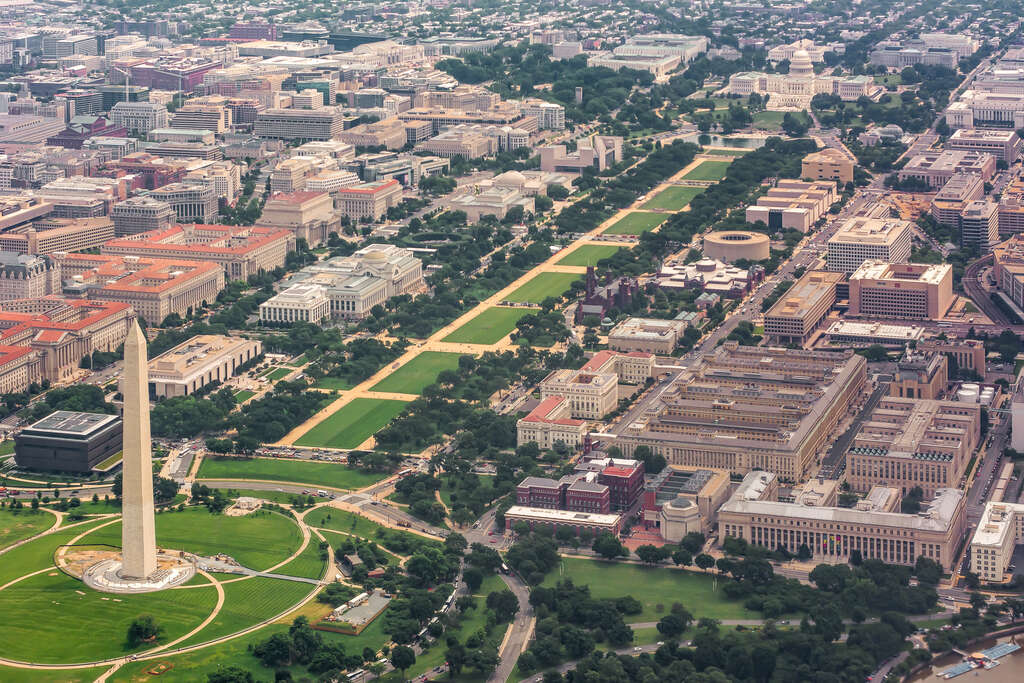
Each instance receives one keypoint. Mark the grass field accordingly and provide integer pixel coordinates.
(333, 383)
(258, 540)
(772, 120)
(279, 373)
(9, 674)
(673, 198)
(280, 469)
(636, 223)
(7, 447)
(244, 395)
(651, 586)
(708, 170)
(588, 255)
(37, 554)
(307, 565)
(248, 602)
(490, 327)
(53, 618)
(419, 373)
(111, 461)
(21, 524)
(543, 286)
(353, 424)
(726, 152)
(273, 496)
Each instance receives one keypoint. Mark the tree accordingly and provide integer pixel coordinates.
(927, 571)
(230, 674)
(504, 603)
(456, 658)
(692, 542)
(704, 561)
(608, 546)
(651, 554)
(673, 625)
(144, 629)
(402, 657)
(682, 558)
(473, 578)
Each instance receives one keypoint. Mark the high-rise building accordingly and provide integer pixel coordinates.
(861, 239)
(192, 203)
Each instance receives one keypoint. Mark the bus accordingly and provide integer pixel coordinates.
(356, 675)
(504, 568)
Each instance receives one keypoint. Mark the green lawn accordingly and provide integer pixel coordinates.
(543, 286)
(772, 120)
(273, 496)
(353, 423)
(16, 525)
(258, 540)
(279, 373)
(708, 170)
(419, 373)
(248, 602)
(110, 462)
(244, 395)
(673, 198)
(636, 223)
(588, 255)
(7, 447)
(37, 554)
(490, 327)
(308, 564)
(334, 475)
(333, 383)
(53, 618)
(652, 586)
(9, 674)
(726, 152)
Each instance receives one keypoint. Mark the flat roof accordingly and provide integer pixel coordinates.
(73, 422)
(870, 231)
(561, 516)
(808, 291)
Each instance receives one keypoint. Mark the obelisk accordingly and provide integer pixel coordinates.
(138, 533)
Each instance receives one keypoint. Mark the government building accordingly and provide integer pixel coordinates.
(198, 362)
(793, 91)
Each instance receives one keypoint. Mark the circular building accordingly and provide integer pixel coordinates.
(733, 245)
(679, 517)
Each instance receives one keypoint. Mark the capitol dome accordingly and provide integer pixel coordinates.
(801, 65)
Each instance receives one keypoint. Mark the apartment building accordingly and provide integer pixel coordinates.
(369, 200)
(191, 203)
(550, 422)
(914, 442)
(241, 251)
(25, 276)
(155, 288)
(911, 291)
(828, 164)
(861, 239)
(1004, 145)
(960, 190)
(139, 117)
(995, 540)
(800, 311)
(299, 124)
(873, 528)
(979, 225)
(793, 204)
(141, 214)
(934, 168)
(299, 303)
(198, 362)
(742, 408)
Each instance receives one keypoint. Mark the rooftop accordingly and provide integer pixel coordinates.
(72, 422)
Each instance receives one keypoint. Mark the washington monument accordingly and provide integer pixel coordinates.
(138, 534)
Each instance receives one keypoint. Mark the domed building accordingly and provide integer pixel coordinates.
(793, 91)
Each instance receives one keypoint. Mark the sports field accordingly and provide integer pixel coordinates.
(652, 586)
(673, 198)
(636, 223)
(353, 423)
(542, 286)
(588, 255)
(419, 373)
(334, 475)
(708, 170)
(490, 327)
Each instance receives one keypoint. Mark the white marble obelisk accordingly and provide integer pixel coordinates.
(138, 533)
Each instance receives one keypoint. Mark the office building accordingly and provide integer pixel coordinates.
(309, 215)
(979, 225)
(576, 492)
(793, 204)
(223, 177)
(139, 117)
(995, 540)
(799, 312)
(202, 360)
(549, 115)
(657, 66)
(598, 152)
(960, 190)
(862, 239)
(742, 407)
(907, 443)
(155, 288)
(873, 528)
(191, 203)
(299, 124)
(592, 391)
(497, 202)
(934, 168)
(241, 251)
(25, 276)
(828, 164)
(1008, 269)
(369, 200)
(920, 374)
(862, 334)
(550, 422)
(390, 133)
(678, 501)
(56, 46)
(913, 291)
(67, 441)
(593, 523)
(649, 335)
(963, 354)
(1004, 145)
(1011, 209)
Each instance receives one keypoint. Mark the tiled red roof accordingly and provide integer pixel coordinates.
(9, 354)
(545, 407)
